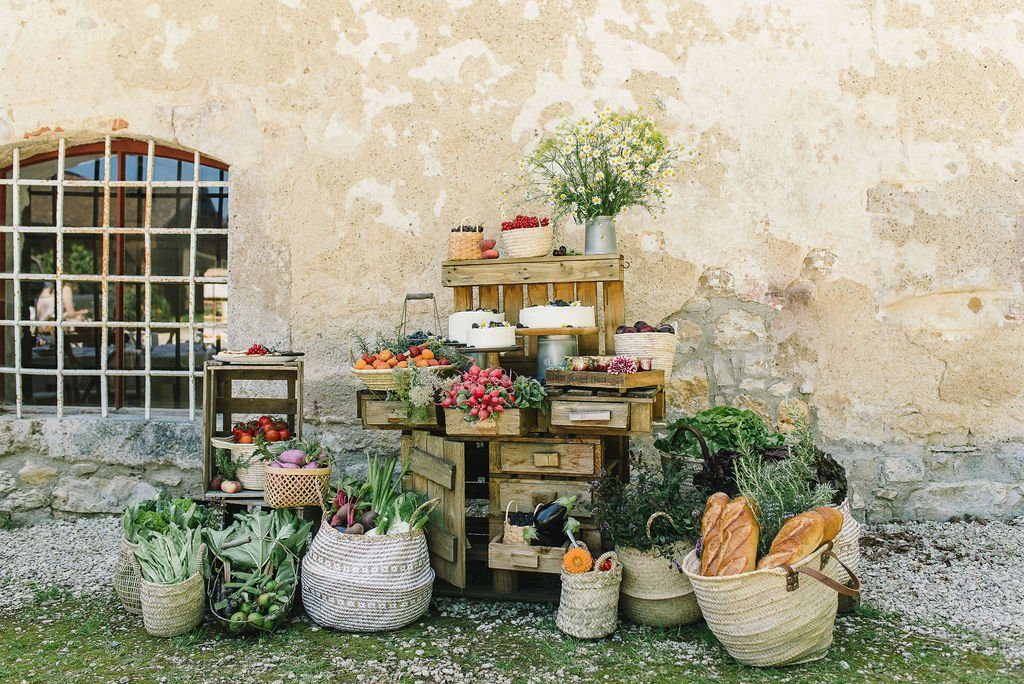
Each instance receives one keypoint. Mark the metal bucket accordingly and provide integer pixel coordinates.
(552, 350)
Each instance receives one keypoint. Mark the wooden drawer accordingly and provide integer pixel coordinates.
(380, 414)
(572, 457)
(524, 558)
(528, 493)
(601, 415)
(510, 423)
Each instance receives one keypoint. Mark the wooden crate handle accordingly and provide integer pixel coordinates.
(545, 459)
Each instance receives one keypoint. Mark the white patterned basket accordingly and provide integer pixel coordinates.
(660, 347)
(778, 616)
(528, 242)
(847, 542)
(360, 583)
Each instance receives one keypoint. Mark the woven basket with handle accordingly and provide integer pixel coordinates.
(777, 616)
(513, 534)
(360, 583)
(589, 604)
(172, 609)
(655, 591)
(659, 347)
(527, 242)
(295, 487)
(127, 578)
(463, 246)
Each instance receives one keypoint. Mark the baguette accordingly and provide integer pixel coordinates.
(799, 536)
(833, 522)
(729, 540)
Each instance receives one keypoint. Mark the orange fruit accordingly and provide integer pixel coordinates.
(402, 364)
(432, 362)
(392, 362)
(427, 354)
(360, 365)
(385, 355)
(422, 364)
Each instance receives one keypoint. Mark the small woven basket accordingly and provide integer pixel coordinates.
(777, 616)
(462, 246)
(655, 591)
(295, 487)
(528, 242)
(589, 605)
(172, 609)
(659, 347)
(127, 578)
(384, 380)
(513, 534)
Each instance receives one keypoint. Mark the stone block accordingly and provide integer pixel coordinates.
(100, 495)
(740, 330)
(25, 499)
(903, 469)
(7, 483)
(749, 403)
(687, 389)
(781, 389)
(716, 282)
(36, 474)
(83, 469)
(983, 498)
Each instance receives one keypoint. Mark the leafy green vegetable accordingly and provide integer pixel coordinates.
(142, 519)
(778, 490)
(723, 427)
(382, 486)
(255, 540)
(169, 557)
(529, 393)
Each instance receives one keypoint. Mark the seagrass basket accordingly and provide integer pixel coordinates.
(462, 246)
(127, 578)
(295, 487)
(172, 609)
(660, 347)
(589, 605)
(528, 242)
(655, 591)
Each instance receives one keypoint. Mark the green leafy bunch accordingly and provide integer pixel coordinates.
(170, 556)
(723, 427)
(257, 541)
(623, 507)
(529, 393)
(601, 166)
(418, 390)
(155, 516)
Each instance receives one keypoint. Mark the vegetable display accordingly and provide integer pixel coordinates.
(551, 524)
(723, 427)
(308, 454)
(226, 479)
(482, 392)
(377, 506)
(269, 428)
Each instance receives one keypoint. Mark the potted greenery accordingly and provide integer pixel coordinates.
(650, 519)
(593, 169)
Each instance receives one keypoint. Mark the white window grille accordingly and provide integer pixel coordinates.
(17, 277)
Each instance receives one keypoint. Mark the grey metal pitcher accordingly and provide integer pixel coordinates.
(600, 235)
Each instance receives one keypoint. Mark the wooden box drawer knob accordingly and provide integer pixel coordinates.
(545, 459)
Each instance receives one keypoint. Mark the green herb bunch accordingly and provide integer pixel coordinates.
(778, 490)
(155, 516)
(624, 507)
(418, 389)
(171, 556)
(723, 428)
(529, 393)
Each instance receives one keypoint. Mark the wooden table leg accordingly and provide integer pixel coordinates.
(506, 582)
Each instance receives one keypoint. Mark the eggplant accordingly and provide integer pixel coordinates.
(550, 518)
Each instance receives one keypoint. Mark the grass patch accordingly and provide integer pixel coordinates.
(92, 640)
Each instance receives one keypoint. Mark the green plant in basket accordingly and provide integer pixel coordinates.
(170, 556)
(529, 393)
(155, 516)
(623, 507)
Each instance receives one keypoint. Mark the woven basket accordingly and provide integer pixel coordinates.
(779, 616)
(528, 242)
(463, 246)
(655, 591)
(847, 542)
(659, 347)
(589, 605)
(295, 487)
(360, 583)
(384, 380)
(172, 609)
(253, 475)
(513, 534)
(127, 578)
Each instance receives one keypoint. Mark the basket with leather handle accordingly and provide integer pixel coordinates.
(777, 616)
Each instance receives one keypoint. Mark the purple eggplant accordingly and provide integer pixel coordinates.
(550, 518)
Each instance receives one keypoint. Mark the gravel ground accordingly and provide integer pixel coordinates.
(940, 577)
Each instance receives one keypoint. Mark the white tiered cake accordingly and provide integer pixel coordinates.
(460, 323)
(555, 316)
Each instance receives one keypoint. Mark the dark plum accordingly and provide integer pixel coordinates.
(621, 329)
(640, 324)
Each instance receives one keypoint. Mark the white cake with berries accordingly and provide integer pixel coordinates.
(558, 314)
(460, 323)
(492, 336)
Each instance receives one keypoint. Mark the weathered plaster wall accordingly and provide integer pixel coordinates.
(848, 233)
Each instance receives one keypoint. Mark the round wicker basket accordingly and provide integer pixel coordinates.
(295, 487)
(527, 242)
(655, 591)
(384, 380)
(659, 347)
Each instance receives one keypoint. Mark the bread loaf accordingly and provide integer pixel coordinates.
(799, 536)
(833, 522)
(729, 536)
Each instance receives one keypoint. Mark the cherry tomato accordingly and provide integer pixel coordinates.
(272, 435)
(285, 435)
(245, 438)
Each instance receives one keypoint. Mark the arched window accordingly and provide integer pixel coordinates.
(114, 280)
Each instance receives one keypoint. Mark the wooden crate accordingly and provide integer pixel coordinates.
(222, 405)
(607, 381)
(509, 423)
(545, 457)
(614, 415)
(513, 284)
(379, 413)
(524, 558)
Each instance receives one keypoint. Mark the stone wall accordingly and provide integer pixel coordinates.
(848, 233)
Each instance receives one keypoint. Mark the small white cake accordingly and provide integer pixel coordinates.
(460, 323)
(551, 316)
(489, 338)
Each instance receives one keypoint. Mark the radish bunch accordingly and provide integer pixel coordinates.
(480, 393)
